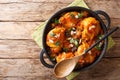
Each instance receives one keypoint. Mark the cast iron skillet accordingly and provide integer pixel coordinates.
(95, 14)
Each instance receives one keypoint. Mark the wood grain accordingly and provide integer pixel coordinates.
(43, 10)
(29, 78)
(17, 30)
(28, 11)
(107, 69)
(35, 1)
(31, 68)
(21, 68)
(23, 30)
(19, 49)
(109, 6)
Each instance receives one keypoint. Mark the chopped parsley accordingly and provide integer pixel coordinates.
(65, 49)
(71, 40)
(74, 41)
(100, 36)
(80, 15)
(52, 58)
(57, 43)
(52, 34)
(56, 21)
(98, 47)
(72, 15)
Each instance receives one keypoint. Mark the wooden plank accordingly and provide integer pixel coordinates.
(23, 30)
(17, 30)
(42, 11)
(31, 68)
(35, 1)
(19, 49)
(28, 11)
(115, 22)
(28, 49)
(23, 69)
(109, 6)
(107, 69)
(29, 78)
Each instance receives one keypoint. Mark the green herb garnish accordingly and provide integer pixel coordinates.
(52, 34)
(57, 21)
(57, 43)
(52, 58)
(72, 15)
(80, 15)
(100, 36)
(98, 47)
(71, 40)
(65, 49)
(74, 41)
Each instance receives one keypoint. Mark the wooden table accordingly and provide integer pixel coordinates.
(19, 54)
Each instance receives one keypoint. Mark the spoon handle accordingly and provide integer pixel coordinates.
(106, 35)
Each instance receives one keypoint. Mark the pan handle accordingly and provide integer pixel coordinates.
(106, 16)
(43, 61)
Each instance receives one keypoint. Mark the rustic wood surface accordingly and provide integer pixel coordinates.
(19, 54)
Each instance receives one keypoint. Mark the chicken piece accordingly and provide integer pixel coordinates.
(64, 56)
(82, 48)
(69, 19)
(55, 37)
(90, 28)
(54, 51)
(90, 57)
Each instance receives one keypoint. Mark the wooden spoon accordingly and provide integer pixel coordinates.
(66, 66)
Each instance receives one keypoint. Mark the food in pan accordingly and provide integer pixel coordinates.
(71, 34)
